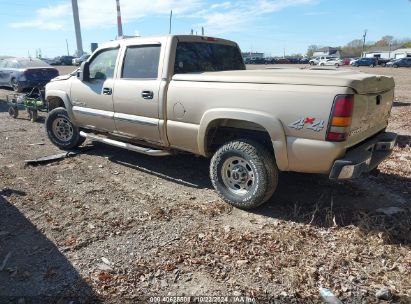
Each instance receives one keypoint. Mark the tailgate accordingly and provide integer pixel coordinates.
(372, 107)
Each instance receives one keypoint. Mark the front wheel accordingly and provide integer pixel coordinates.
(244, 173)
(61, 131)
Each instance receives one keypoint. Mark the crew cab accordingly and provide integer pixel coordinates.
(184, 93)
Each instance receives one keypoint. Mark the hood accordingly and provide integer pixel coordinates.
(62, 77)
(360, 82)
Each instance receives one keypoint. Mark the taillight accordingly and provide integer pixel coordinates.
(340, 119)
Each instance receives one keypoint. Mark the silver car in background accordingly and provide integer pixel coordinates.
(80, 60)
(23, 73)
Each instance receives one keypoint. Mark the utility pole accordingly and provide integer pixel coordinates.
(68, 53)
(171, 17)
(202, 31)
(119, 25)
(363, 42)
(77, 27)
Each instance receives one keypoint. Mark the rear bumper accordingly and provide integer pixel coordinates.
(365, 157)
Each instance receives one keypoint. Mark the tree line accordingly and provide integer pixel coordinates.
(354, 48)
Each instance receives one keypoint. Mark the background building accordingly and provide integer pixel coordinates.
(327, 51)
(249, 55)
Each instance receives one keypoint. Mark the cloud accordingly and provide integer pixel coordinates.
(237, 16)
(101, 14)
(218, 18)
(48, 18)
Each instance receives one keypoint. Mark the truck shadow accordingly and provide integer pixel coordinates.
(183, 169)
(313, 199)
(32, 269)
(304, 198)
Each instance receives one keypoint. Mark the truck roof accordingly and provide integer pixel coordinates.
(165, 38)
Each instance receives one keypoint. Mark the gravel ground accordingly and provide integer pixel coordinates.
(110, 224)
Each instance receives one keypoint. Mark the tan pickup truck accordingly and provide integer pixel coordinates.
(162, 95)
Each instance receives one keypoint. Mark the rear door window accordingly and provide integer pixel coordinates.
(192, 57)
(141, 62)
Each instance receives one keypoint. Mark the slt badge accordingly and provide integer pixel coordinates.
(312, 123)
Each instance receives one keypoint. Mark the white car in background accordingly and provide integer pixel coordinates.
(332, 61)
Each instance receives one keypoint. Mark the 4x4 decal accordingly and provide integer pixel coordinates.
(311, 123)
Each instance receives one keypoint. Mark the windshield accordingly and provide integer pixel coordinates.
(194, 57)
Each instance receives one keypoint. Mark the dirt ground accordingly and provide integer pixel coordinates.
(110, 226)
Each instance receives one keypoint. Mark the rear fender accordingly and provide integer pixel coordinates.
(271, 124)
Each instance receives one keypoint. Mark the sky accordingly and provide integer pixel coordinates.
(269, 26)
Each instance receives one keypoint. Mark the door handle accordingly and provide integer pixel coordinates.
(147, 94)
(107, 91)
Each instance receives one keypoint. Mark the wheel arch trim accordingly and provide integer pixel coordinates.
(66, 100)
(271, 124)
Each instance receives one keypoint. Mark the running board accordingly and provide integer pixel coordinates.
(116, 143)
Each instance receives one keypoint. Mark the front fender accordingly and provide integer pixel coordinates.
(271, 124)
(66, 100)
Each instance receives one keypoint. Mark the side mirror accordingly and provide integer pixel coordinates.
(84, 73)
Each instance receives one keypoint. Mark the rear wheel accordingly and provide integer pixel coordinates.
(244, 173)
(395, 65)
(33, 115)
(337, 65)
(61, 131)
(13, 112)
(372, 65)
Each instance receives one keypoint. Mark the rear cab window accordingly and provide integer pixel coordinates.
(195, 57)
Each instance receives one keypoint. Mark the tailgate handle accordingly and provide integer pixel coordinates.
(147, 94)
(379, 97)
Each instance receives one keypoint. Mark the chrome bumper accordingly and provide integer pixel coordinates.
(365, 157)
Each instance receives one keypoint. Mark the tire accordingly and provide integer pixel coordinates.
(395, 66)
(61, 131)
(251, 161)
(13, 112)
(33, 115)
(16, 85)
(372, 65)
(311, 63)
(337, 65)
(322, 64)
